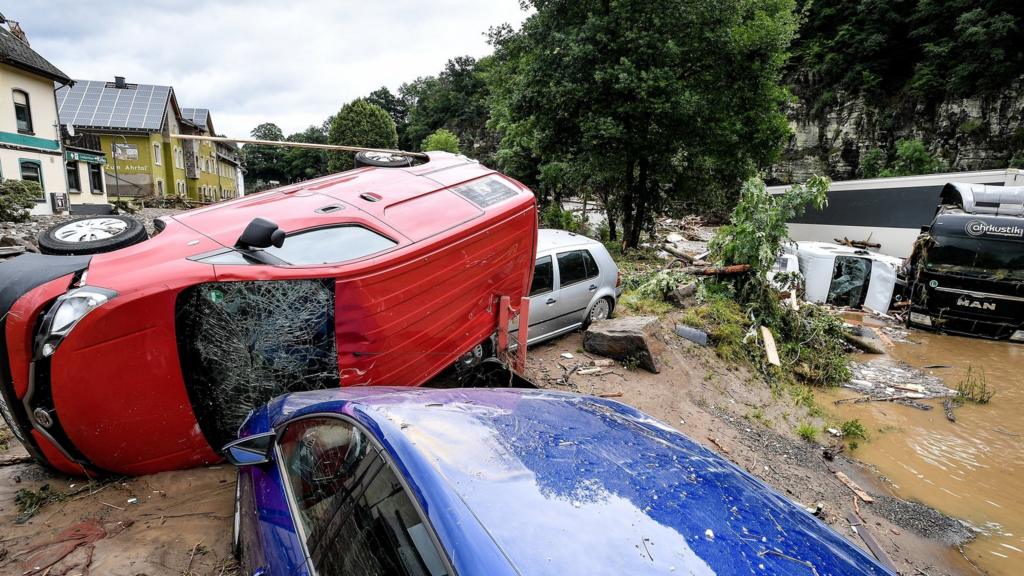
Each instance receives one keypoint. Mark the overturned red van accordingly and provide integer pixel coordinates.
(148, 358)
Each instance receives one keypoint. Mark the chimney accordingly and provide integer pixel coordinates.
(119, 82)
(15, 29)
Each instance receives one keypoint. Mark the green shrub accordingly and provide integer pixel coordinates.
(807, 431)
(17, 197)
(442, 140)
(974, 387)
(553, 216)
(853, 429)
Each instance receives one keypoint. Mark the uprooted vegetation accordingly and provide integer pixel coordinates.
(731, 308)
(974, 387)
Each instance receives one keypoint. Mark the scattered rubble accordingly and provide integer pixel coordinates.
(23, 234)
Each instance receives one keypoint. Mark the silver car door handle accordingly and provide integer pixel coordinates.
(593, 287)
(551, 301)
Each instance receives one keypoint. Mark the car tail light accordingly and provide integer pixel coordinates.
(66, 313)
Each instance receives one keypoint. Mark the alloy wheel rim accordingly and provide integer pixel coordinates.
(600, 311)
(90, 229)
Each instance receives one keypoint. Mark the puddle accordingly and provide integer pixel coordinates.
(972, 469)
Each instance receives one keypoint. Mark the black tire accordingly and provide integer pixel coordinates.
(382, 160)
(73, 238)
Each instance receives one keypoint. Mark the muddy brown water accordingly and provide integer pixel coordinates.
(972, 469)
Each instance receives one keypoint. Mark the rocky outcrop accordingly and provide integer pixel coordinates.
(977, 133)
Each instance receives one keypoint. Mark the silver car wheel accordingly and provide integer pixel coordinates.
(600, 310)
(89, 229)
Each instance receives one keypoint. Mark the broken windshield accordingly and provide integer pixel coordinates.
(976, 257)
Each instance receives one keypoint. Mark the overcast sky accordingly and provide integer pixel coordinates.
(289, 62)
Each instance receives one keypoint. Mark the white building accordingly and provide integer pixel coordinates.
(30, 137)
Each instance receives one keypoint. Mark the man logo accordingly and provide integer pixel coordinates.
(968, 303)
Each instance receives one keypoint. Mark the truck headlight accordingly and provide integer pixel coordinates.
(1018, 336)
(918, 318)
(65, 313)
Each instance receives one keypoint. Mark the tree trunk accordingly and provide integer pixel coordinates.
(642, 202)
(627, 205)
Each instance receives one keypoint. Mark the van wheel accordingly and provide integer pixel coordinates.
(92, 235)
(382, 160)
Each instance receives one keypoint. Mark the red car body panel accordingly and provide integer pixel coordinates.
(401, 315)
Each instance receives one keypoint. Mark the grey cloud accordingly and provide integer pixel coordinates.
(292, 63)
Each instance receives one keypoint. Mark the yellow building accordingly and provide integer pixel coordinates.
(138, 127)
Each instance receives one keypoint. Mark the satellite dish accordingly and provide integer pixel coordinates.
(70, 129)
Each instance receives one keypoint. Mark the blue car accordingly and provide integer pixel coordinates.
(432, 482)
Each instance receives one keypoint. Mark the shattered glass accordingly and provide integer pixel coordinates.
(850, 277)
(243, 343)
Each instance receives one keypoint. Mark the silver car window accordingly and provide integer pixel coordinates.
(543, 276)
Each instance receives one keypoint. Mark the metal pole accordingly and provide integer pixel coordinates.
(117, 177)
(418, 155)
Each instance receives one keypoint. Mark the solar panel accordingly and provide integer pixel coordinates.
(98, 104)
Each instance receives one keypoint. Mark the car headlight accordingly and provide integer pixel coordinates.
(66, 312)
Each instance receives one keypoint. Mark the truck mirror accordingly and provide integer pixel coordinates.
(925, 229)
(261, 233)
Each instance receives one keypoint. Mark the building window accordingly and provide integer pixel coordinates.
(32, 171)
(95, 179)
(23, 111)
(74, 182)
(157, 156)
(159, 187)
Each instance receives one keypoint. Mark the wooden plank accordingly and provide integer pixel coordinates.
(769, 346)
(11, 250)
(865, 534)
(853, 486)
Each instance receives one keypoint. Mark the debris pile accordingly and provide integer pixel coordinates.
(17, 238)
(683, 238)
(885, 380)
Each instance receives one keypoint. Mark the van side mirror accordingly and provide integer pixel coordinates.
(260, 233)
(925, 229)
(250, 450)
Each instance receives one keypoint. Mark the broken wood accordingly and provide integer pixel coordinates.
(588, 371)
(769, 346)
(610, 395)
(13, 460)
(865, 534)
(862, 244)
(686, 258)
(854, 487)
(948, 407)
(6, 251)
(721, 448)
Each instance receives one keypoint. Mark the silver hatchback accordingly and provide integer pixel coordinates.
(575, 282)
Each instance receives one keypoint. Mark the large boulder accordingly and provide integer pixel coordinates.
(628, 339)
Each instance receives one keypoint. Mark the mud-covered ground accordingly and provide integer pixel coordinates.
(180, 522)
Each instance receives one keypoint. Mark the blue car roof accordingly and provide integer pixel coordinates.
(557, 483)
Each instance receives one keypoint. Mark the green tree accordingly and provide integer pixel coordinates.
(872, 164)
(264, 163)
(441, 139)
(679, 100)
(912, 158)
(359, 123)
(305, 163)
(17, 197)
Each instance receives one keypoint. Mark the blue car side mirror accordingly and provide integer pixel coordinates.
(250, 450)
